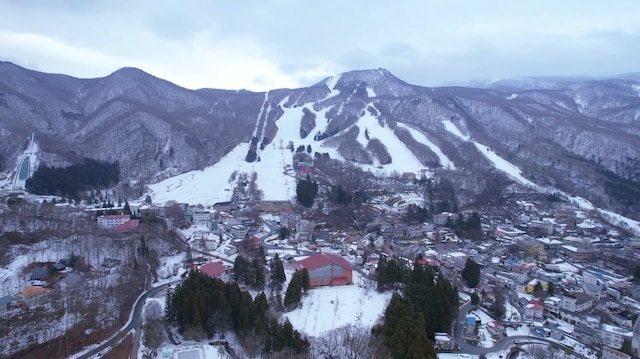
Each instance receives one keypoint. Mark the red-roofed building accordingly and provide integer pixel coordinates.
(214, 269)
(427, 262)
(534, 310)
(327, 269)
(128, 226)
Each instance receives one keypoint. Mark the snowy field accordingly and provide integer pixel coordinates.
(327, 308)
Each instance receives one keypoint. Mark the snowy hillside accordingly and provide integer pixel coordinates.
(578, 134)
(275, 175)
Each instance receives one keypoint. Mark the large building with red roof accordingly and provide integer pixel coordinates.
(214, 270)
(327, 269)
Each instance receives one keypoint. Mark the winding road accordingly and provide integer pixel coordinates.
(135, 320)
(502, 344)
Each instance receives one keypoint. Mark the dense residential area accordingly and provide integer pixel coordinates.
(536, 273)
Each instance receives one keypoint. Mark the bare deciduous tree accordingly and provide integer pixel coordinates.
(153, 325)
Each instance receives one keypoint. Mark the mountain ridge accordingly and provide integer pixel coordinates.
(576, 137)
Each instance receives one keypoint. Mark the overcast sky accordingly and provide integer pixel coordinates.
(259, 45)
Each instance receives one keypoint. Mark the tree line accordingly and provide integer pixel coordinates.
(202, 306)
(69, 181)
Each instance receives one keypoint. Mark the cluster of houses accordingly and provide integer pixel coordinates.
(528, 250)
(44, 277)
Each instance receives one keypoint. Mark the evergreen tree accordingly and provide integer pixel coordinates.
(551, 289)
(278, 276)
(306, 192)
(127, 208)
(475, 299)
(257, 279)
(403, 331)
(240, 268)
(294, 290)
(471, 273)
(306, 281)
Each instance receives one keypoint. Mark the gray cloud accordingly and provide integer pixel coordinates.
(286, 43)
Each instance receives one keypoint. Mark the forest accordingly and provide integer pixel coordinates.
(69, 181)
(202, 306)
(428, 304)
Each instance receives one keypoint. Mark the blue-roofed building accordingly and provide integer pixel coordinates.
(471, 321)
(470, 334)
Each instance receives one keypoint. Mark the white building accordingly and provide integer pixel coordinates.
(113, 221)
(576, 302)
(202, 218)
(613, 336)
(238, 231)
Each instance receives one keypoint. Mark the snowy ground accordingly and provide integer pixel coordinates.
(276, 177)
(327, 308)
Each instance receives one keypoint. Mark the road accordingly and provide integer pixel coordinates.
(502, 344)
(272, 230)
(135, 320)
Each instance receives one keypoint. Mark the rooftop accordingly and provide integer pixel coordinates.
(323, 259)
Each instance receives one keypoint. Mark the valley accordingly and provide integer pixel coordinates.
(537, 185)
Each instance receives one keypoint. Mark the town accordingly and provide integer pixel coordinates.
(549, 274)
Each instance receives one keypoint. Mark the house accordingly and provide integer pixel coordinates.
(238, 231)
(496, 329)
(471, 329)
(72, 281)
(327, 269)
(230, 250)
(566, 215)
(39, 276)
(534, 310)
(443, 341)
(214, 270)
(222, 206)
(252, 242)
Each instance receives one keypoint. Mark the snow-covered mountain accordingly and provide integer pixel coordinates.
(579, 135)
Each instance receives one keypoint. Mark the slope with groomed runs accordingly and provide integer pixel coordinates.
(420, 137)
(402, 159)
(275, 175)
(498, 162)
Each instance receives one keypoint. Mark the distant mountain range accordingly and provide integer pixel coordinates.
(579, 135)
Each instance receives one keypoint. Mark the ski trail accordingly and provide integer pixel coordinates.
(264, 104)
(264, 125)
